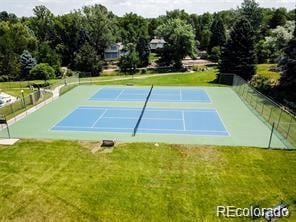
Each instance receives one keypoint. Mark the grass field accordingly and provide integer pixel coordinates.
(264, 70)
(64, 181)
(193, 79)
(181, 79)
(14, 88)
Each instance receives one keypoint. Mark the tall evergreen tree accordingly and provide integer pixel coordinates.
(27, 63)
(238, 55)
(288, 65)
(250, 10)
(278, 18)
(129, 63)
(218, 36)
(143, 50)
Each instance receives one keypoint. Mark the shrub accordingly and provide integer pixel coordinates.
(143, 71)
(198, 68)
(215, 54)
(43, 71)
(263, 83)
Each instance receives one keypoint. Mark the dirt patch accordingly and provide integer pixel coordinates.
(95, 147)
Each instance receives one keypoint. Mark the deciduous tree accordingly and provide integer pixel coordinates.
(180, 41)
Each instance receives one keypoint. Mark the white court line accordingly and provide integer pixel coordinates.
(100, 117)
(117, 97)
(223, 123)
(93, 97)
(85, 127)
(183, 117)
(148, 118)
(181, 97)
(152, 109)
(142, 129)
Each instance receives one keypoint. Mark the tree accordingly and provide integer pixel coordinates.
(42, 71)
(129, 62)
(278, 18)
(218, 36)
(98, 26)
(68, 28)
(215, 54)
(14, 39)
(87, 60)
(152, 26)
(43, 24)
(180, 41)
(27, 63)
(143, 50)
(287, 82)
(271, 48)
(132, 28)
(48, 55)
(201, 26)
(178, 14)
(238, 55)
(7, 17)
(253, 13)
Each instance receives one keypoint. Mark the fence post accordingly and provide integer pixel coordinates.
(256, 103)
(270, 114)
(262, 108)
(279, 119)
(289, 127)
(270, 138)
(243, 91)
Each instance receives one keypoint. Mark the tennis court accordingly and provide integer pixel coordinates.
(204, 122)
(159, 94)
(180, 115)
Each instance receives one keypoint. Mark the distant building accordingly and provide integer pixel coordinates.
(114, 52)
(157, 43)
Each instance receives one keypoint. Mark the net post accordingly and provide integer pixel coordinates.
(142, 113)
(8, 131)
(271, 134)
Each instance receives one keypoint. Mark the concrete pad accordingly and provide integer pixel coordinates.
(8, 142)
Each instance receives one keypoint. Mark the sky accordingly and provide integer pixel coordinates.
(146, 8)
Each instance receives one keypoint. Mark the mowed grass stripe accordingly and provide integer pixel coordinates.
(63, 180)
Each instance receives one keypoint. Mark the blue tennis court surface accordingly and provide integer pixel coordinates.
(155, 120)
(159, 94)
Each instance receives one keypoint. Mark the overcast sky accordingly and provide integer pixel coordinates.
(146, 8)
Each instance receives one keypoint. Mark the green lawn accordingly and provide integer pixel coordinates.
(193, 79)
(264, 70)
(14, 88)
(64, 181)
(200, 78)
(183, 79)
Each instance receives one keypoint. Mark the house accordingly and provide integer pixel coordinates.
(157, 43)
(114, 52)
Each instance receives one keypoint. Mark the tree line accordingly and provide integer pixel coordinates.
(37, 46)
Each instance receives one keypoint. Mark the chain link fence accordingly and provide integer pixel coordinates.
(23, 103)
(266, 109)
(38, 97)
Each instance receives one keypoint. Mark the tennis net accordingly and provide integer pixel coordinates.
(142, 112)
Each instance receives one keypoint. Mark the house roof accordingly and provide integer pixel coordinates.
(157, 41)
(118, 45)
